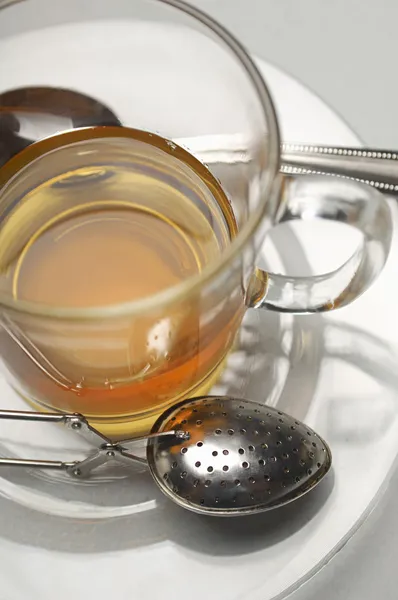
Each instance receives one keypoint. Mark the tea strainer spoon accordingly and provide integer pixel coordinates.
(213, 455)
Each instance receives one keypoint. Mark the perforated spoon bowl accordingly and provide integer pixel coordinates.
(241, 457)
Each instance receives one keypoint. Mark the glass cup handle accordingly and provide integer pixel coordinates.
(342, 200)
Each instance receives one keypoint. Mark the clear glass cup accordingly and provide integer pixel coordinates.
(165, 67)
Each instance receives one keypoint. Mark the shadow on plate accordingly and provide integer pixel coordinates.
(167, 522)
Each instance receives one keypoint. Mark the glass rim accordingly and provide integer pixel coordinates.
(194, 282)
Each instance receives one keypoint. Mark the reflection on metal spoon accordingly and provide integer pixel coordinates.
(28, 115)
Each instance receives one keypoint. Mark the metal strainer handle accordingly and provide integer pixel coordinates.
(106, 449)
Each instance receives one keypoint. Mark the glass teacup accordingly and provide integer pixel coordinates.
(128, 255)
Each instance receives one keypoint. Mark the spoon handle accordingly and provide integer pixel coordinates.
(378, 168)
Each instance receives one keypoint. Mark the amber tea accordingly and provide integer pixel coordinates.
(107, 223)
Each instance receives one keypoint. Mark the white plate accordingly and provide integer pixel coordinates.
(337, 373)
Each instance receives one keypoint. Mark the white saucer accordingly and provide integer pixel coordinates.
(338, 373)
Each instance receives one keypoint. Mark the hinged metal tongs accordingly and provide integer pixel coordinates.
(106, 449)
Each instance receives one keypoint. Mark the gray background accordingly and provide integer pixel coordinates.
(346, 51)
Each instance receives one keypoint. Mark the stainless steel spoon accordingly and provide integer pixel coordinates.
(30, 114)
(214, 455)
